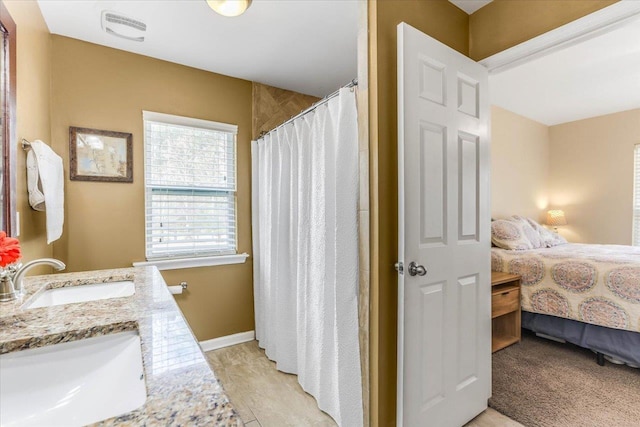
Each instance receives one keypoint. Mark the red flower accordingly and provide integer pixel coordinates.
(9, 249)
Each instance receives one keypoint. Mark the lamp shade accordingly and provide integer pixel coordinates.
(556, 217)
(229, 7)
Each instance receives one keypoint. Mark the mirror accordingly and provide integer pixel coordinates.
(8, 122)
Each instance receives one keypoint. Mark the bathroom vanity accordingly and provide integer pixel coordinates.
(134, 356)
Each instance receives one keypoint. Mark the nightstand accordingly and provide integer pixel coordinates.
(505, 310)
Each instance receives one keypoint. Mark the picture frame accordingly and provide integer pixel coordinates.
(100, 155)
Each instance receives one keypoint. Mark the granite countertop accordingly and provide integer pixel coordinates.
(181, 388)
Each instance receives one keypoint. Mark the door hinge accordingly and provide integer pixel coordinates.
(399, 267)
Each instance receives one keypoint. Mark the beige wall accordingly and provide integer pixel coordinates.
(583, 167)
(591, 176)
(33, 98)
(519, 165)
(103, 88)
(445, 22)
(505, 23)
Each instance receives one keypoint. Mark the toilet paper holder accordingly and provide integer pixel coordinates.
(177, 289)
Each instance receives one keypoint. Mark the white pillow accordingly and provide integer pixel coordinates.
(530, 231)
(548, 237)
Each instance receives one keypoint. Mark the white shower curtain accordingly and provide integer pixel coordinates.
(305, 248)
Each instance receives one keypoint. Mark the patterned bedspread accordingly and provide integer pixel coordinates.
(598, 284)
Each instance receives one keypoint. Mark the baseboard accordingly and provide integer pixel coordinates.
(228, 340)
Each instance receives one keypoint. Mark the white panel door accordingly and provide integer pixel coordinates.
(444, 337)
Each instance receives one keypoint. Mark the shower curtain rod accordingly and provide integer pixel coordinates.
(324, 100)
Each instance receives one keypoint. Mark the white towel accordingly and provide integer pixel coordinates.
(45, 183)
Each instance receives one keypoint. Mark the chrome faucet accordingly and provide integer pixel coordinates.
(19, 275)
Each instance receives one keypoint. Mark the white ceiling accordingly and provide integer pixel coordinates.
(310, 47)
(470, 6)
(304, 46)
(596, 77)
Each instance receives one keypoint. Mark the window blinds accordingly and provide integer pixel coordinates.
(190, 187)
(636, 197)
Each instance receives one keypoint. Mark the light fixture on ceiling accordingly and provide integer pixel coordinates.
(229, 7)
(122, 26)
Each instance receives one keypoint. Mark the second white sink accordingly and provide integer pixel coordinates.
(82, 293)
(72, 383)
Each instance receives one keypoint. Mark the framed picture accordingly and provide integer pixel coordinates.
(100, 155)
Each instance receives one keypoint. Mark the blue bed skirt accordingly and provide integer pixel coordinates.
(617, 343)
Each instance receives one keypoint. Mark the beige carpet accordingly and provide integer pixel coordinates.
(547, 384)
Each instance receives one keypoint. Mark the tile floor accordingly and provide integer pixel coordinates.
(265, 397)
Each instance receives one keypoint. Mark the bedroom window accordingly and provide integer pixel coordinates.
(636, 197)
(190, 187)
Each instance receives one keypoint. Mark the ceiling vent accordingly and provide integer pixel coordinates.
(122, 26)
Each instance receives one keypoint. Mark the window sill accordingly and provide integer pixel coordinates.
(173, 264)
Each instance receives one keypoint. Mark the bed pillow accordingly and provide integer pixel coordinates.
(510, 234)
(548, 237)
(530, 231)
(552, 239)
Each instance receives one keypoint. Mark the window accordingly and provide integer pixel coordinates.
(190, 187)
(636, 197)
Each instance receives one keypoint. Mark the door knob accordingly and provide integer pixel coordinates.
(416, 269)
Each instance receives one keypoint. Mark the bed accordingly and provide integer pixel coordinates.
(588, 295)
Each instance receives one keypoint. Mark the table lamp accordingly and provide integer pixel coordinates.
(556, 217)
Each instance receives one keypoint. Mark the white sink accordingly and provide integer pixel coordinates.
(82, 293)
(73, 383)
